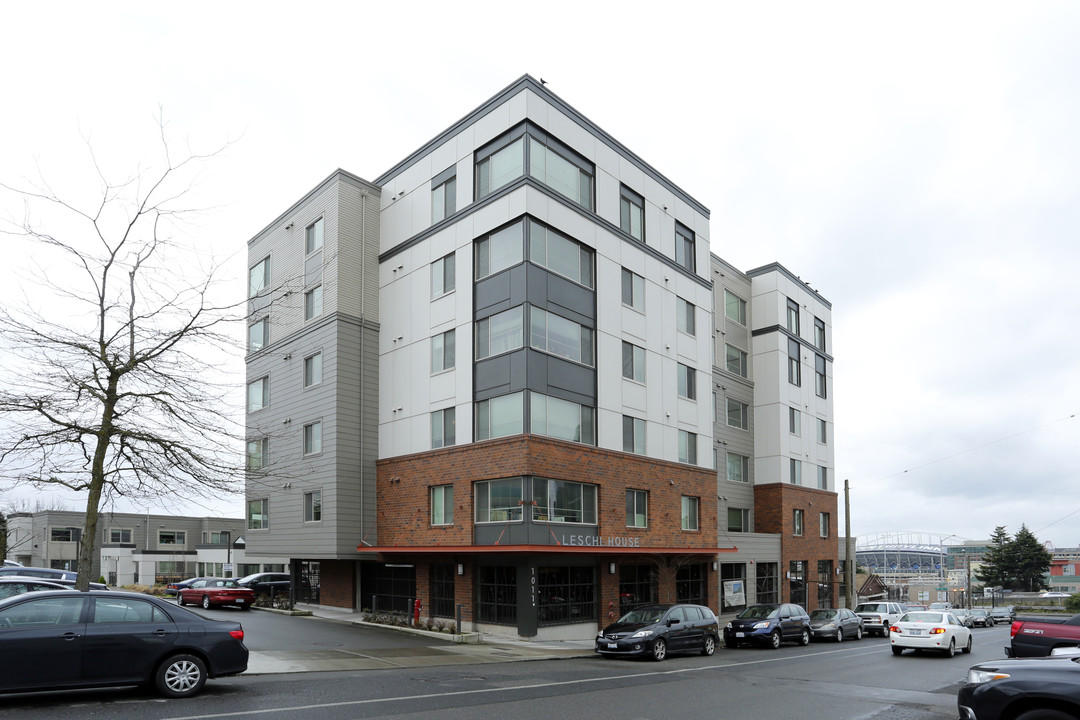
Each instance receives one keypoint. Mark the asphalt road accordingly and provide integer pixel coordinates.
(848, 681)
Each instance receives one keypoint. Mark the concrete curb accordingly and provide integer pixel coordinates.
(464, 638)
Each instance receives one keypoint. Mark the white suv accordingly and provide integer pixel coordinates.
(878, 616)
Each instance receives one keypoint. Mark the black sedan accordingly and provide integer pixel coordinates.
(835, 624)
(1028, 689)
(656, 630)
(768, 624)
(60, 639)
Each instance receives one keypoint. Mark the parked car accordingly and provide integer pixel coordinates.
(209, 592)
(59, 639)
(174, 587)
(964, 616)
(912, 608)
(835, 624)
(64, 577)
(940, 606)
(16, 585)
(1003, 614)
(1053, 594)
(656, 630)
(981, 618)
(1038, 637)
(12, 563)
(1034, 688)
(879, 616)
(768, 624)
(930, 630)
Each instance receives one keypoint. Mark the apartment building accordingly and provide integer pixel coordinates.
(481, 380)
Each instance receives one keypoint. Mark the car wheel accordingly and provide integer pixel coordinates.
(709, 647)
(1044, 714)
(858, 633)
(804, 639)
(659, 649)
(179, 599)
(180, 676)
(897, 650)
(206, 602)
(951, 650)
(990, 622)
(839, 634)
(967, 648)
(774, 640)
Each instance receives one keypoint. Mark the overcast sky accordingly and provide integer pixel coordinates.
(917, 163)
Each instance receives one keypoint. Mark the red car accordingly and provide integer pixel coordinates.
(216, 591)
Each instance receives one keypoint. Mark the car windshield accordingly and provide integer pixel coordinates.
(923, 617)
(872, 607)
(643, 615)
(823, 615)
(758, 612)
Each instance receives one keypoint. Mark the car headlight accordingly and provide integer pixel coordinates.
(761, 625)
(827, 626)
(729, 626)
(600, 636)
(642, 633)
(976, 676)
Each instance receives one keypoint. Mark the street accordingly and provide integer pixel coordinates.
(837, 681)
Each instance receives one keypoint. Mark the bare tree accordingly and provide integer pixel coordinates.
(113, 382)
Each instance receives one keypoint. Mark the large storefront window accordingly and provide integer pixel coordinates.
(564, 501)
(733, 587)
(387, 587)
(690, 584)
(825, 579)
(441, 576)
(566, 595)
(637, 586)
(797, 571)
(768, 583)
(497, 599)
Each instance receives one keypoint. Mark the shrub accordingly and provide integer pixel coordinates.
(1072, 603)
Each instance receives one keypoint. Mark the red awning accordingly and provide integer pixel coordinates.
(539, 550)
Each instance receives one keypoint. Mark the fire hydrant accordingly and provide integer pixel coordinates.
(417, 607)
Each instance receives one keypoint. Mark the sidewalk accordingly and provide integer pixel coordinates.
(489, 649)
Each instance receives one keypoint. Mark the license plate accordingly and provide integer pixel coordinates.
(914, 632)
(240, 601)
(613, 646)
(739, 634)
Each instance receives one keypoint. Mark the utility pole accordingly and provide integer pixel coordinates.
(849, 551)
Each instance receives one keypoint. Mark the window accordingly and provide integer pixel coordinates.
(684, 247)
(258, 394)
(684, 316)
(822, 477)
(637, 585)
(733, 587)
(442, 505)
(498, 500)
(687, 447)
(560, 254)
(500, 333)
(557, 168)
(443, 428)
(819, 334)
(127, 610)
(500, 250)
(313, 438)
(738, 467)
(496, 601)
(689, 513)
(256, 453)
(637, 508)
(502, 166)
(171, 537)
(632, 213)
(736, 361)
(259, 277)
(768, 583)
(258, 514)
(313, 302)
(313, 506)
(559, 336)
(823, 524)
(258, 334)
(442, 276)
(734, 307)
(562, 419)
(633, 362)
(738, 414)
(633, 435)
(793, 317)
(633, 290)
(794, 372)
(687, 381)
(313, 369)
(443, 195)
(794, 421)
(819, 376)
(822, 430)
(566, 595)
(499, 417)
(797, 573)
(825, 582)
(690, 585)
(442, 351)
(563, 501)
(314, 237)
(117, 535)
(797, 522)
(795, 474)
(441, 576)
(64, 534)
(738, 519)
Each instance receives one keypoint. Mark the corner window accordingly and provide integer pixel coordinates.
(684, 316)
(314, 237)
(562, 419)
(259, 277)
(687, 381)
(442, 505)
(499, 417)
(633, 435)
(794, 421)
(632, 213)
(563, 501)
(443, 428)
(738, 414)
(795, 471)
(257, 453)
(258, 334)
(313, 438)
(444, 194)
(502, 164)
(559, 254)
(689, 513)
(500, 250)
(736, 360)
(823, 524)
(313, 369)
(633, 362)
(442, 276)
(797, 522)
(442, 351)
(734, 307)
(633, 290)
(637, 508)
(313, 302)
(258, 514)
(500, 333)
(820, 387)
(793, 317)
(794, 367)
(258, 395)
(313, 506)
(738, 468)
(557, 335)
(738, 520)
(684, 247)
(498, 500)
(562, 170)
(819, 334)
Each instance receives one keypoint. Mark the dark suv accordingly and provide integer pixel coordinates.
(768, 624)
(265, 582)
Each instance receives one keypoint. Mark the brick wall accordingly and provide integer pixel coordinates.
(337, 583)
(774, 506)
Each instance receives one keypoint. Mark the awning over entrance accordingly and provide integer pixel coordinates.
(541, 550)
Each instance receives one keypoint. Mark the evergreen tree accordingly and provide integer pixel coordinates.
(994, 564)
(1028, 561)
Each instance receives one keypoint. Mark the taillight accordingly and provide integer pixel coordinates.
(894, 629)
(1015, 628)
(238, 634)
(937, 631)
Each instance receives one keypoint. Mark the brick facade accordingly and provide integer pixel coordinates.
(338, 583)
